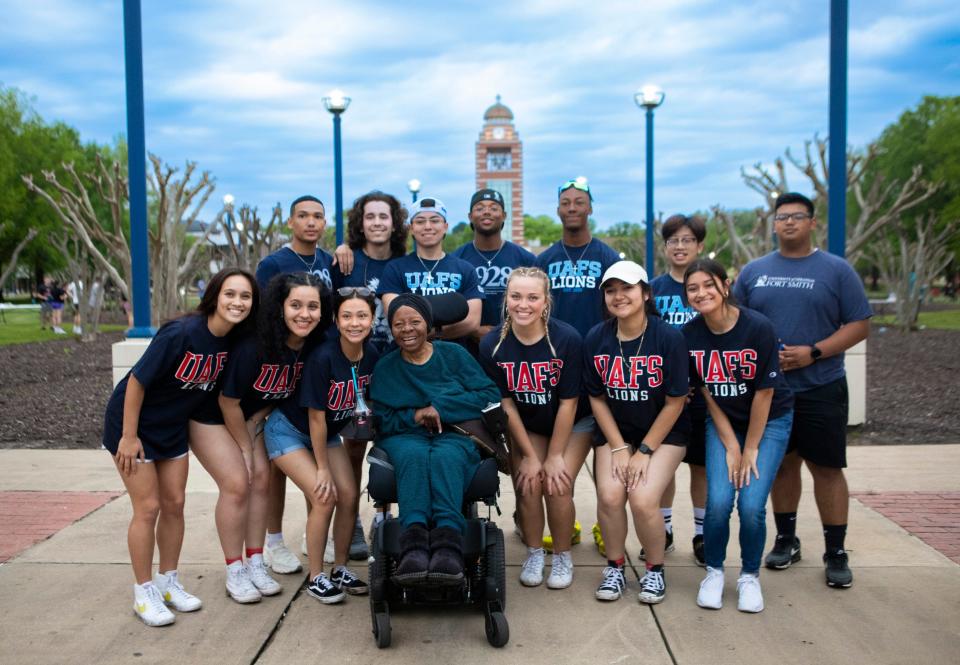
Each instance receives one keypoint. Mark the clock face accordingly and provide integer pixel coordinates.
(499, 161)
(498, 132)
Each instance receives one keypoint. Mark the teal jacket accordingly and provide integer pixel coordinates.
(451, 381)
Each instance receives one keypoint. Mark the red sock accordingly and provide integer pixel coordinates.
(618, 563)
(254, 550)
(656, 568)
(229, 561)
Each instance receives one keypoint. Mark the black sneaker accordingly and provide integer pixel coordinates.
(652, 588)
(786, 551)
(344, 579)
(837, 570)
(667, 547)
(358, 546)
(322, 589)
(698, 554)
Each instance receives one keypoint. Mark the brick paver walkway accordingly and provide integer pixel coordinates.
(933, 517)
(26, 518)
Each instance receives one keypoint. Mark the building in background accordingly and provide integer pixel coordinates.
(500, 165)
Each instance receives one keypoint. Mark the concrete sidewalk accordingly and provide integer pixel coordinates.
(67, 599)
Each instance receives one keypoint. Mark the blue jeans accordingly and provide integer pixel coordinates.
(752, 505)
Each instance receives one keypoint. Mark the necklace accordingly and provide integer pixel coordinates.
(639, 346)
(429, 279)
(574, 266)
(483, 256)
(307, 266)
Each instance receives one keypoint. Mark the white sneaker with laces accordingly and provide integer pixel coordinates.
(174, 594)
(261, 579)
(329, 556)
(531, 573)
(561, 571)
(281, 560)
(148, 606)
(751, 597)
(710, 595)
(239, 585)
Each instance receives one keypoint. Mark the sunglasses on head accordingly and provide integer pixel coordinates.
(575, 184)
(348, 291)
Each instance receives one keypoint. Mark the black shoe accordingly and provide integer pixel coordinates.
(837, 570)
(344, 579)
(446, 556)
(414, 555)
(667, 547)
(698, 555)
(323, 590)
(358, 546)
(786, 551)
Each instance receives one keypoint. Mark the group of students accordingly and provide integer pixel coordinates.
(581, 347)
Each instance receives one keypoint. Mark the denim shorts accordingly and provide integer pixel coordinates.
(281, 437)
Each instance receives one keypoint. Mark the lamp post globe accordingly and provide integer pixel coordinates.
(337, 103)
(414, 187)
(648, 98)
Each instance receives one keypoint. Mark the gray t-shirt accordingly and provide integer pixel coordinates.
(807, 299)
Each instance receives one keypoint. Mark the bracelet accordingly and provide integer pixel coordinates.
(617, 450)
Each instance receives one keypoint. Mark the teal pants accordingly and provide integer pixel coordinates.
(432, 474)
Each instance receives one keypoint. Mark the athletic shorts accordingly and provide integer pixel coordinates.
(152, 451)
(819, 431)
(697, 448)
(281, 437)
(56, 305)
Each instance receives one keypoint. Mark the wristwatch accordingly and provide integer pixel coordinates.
(815, 353)
(645, 449)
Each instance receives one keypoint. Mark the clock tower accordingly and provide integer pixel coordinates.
(500, 165)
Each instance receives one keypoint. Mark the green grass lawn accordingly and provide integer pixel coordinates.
(23, 326)
(947, 319)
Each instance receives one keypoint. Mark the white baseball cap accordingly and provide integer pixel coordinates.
(627, 272)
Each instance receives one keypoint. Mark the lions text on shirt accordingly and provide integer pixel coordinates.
(575, 274)
(257, 382)
(492, 270)
(807, 299)
(429, 277)
(285, 261)
(328, 386)
(736, 364)
(671, 301)
(636, 378)
(533, 376)
(367, 272)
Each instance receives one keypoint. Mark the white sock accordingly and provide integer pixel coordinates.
(256, 560)
(534, 550)
(274, 539)
(667, 519)
(236, 565)
(698, 514)
(142, 588)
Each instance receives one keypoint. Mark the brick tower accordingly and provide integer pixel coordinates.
(500, 165)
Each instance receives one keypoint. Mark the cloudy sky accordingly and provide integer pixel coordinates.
(236, 85)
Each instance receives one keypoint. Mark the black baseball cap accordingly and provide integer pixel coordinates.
(487, 195)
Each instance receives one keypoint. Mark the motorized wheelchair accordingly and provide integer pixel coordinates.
(484, 557)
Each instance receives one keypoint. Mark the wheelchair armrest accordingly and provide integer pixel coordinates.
(485, 483)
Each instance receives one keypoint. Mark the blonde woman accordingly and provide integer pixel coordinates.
(536, 363)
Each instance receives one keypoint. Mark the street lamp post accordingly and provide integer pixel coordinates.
(649, 97)
(337, 104)
(414, 187)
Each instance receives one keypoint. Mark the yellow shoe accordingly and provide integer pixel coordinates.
(598, 539)
(574, 539)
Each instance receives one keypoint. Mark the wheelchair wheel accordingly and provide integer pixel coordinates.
(496, 573)
(378, 576)
(381, 629)
(498, 630)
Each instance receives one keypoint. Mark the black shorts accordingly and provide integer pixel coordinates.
(697, 448)
(819, 431)
(152, 450)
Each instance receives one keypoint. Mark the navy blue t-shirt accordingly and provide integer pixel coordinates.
(179, 373)
(637, 382)
(367, 272)
(736, 364)
(533, 376)
(257, 382)
(285, 261)
(493, 269)
(671, 301)
(575, 274)
(807, 299)
(328, 386)
(429, 277)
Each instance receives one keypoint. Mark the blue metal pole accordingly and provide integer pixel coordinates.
(338, 177)
(137, 170)
(837, 209)
(650, 263)
(414, 196)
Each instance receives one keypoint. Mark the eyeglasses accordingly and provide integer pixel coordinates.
(576, 184)
(348, 291)
(795, 216)
(685, 240)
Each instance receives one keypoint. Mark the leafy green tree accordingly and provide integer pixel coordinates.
(543, 228)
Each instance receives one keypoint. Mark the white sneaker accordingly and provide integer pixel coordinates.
(329, 556)
(239, 585)
(77, 330)
(174, 594)
(281, 559)
(751, 597)
(59, 331)
(561, 571)
(148, 605)
(710, 595)
(261, 579)
(531, 573)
